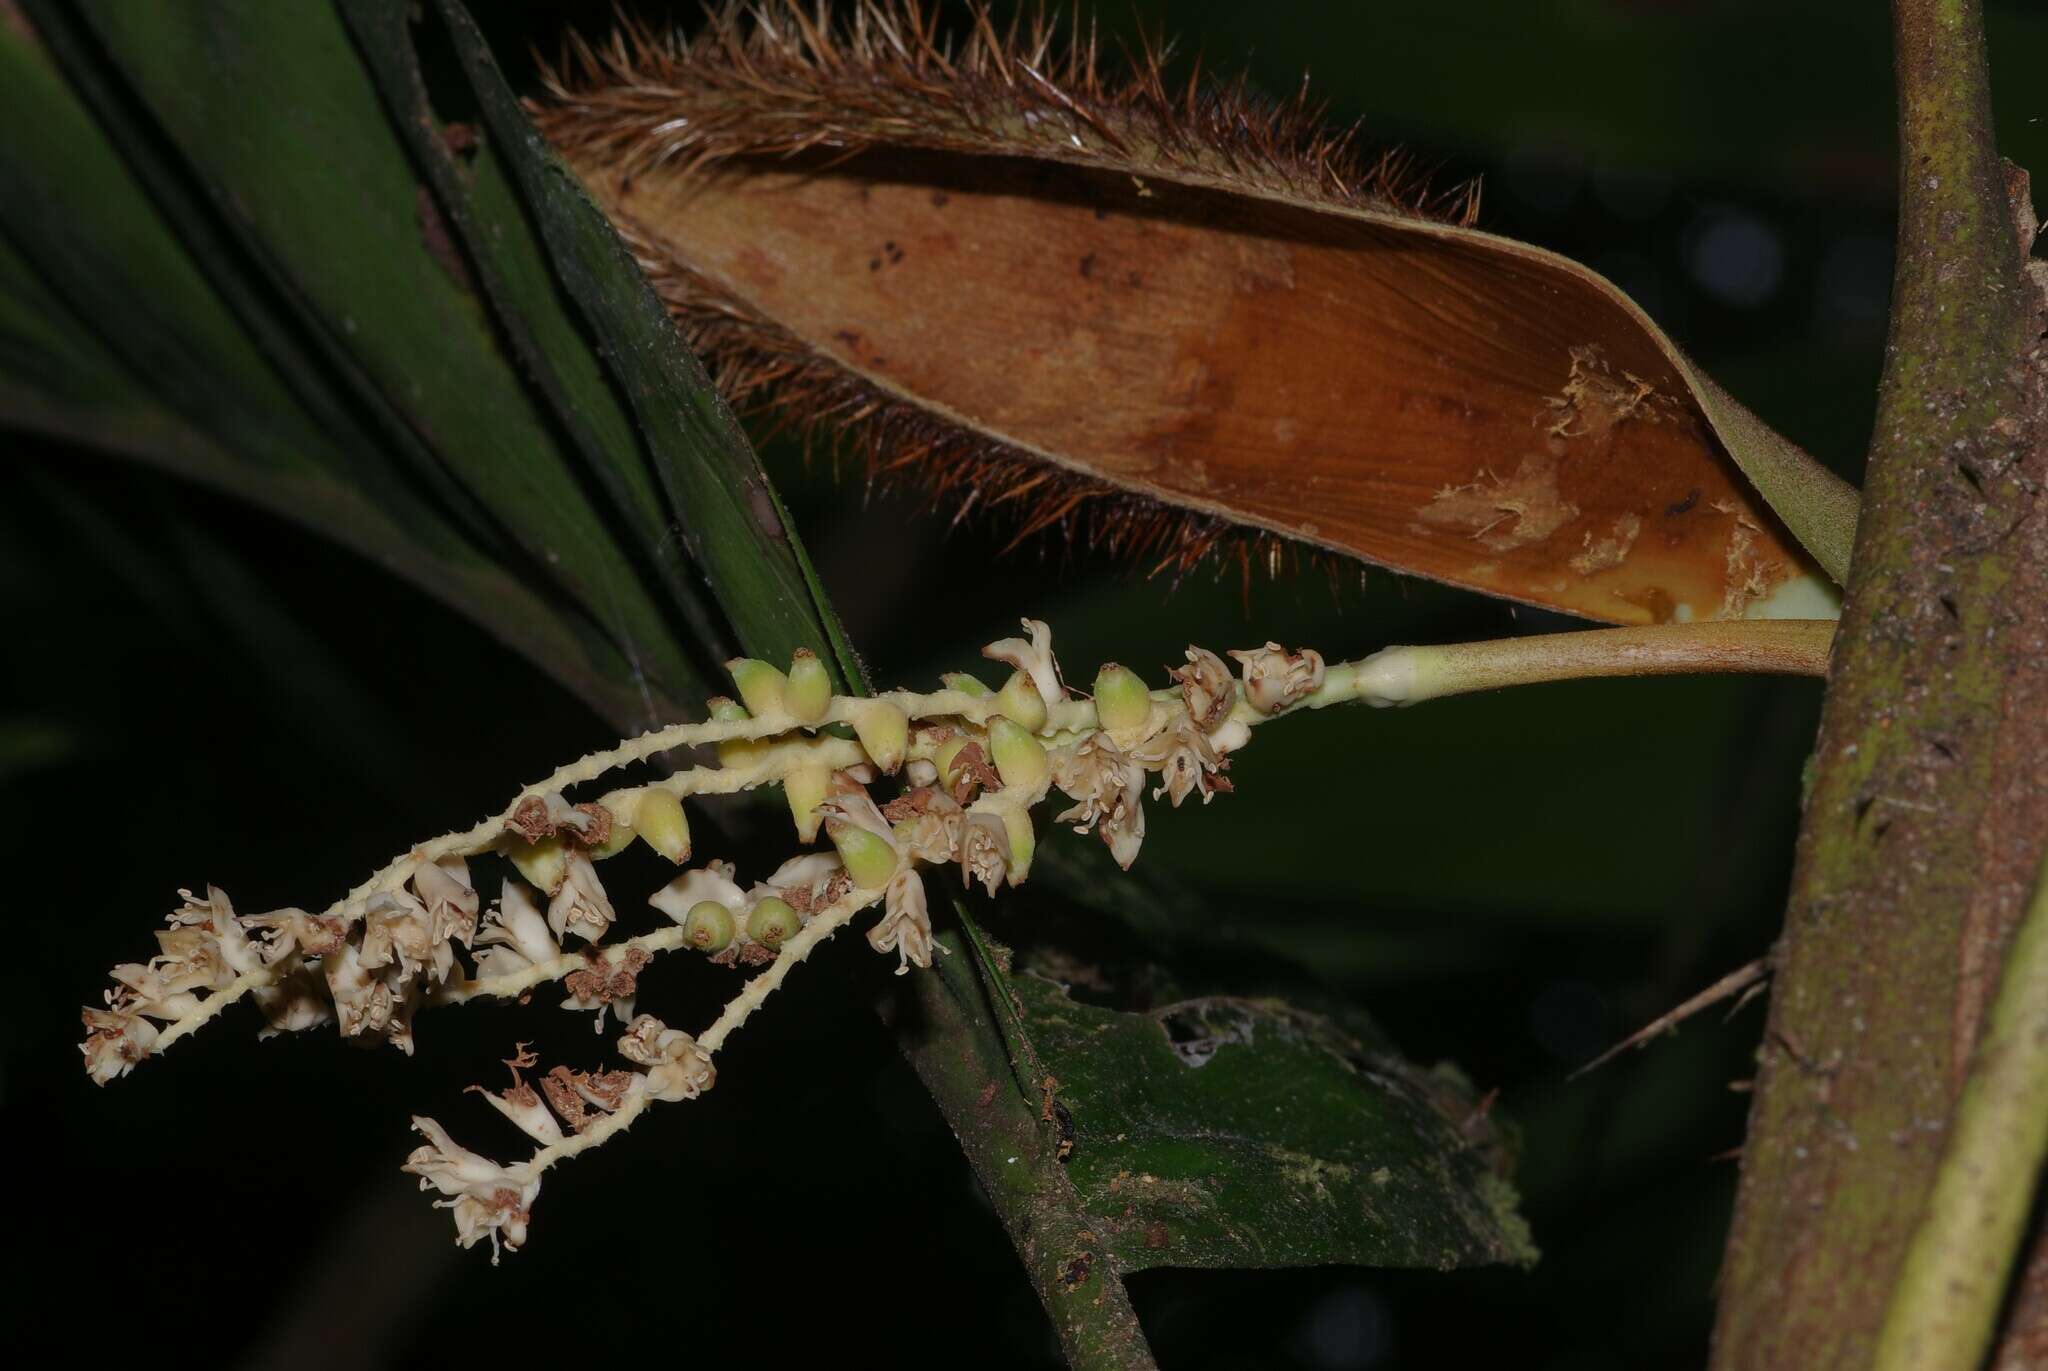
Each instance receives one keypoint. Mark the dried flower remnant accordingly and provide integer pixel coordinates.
(418, 936)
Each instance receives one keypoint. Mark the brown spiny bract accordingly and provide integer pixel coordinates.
(784, 81)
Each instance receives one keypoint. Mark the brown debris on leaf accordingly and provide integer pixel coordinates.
(1163, 318)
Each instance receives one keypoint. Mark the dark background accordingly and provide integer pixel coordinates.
(191, 691)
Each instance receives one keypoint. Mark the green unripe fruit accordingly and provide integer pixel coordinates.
(709, 926)
(1019, 699)
(772, 922)
(661, 824)
(965, 684)
(1121, 700)
(544, 864)
(808, 693)
(1019, 757)
(762, 687)
(868, 859)
(884, 733)
(622, 806)
(805, 790)
(738, 752)
(1023, 842)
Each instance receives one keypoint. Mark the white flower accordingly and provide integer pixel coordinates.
(115, 1041)
(1033, 658)
(677, 1069)
(398, 932)
(806, 882)
(1111, 790)
(1275, 678)
(294, 1004)
(984, 850)
(1186, 760)
(1206, 688)
(514, 935)
(444, 888)
(215, 915)
(713, 881)
(521, 1103)
(927, 824)
(288, 931)
(489, 1200)
(906, 924)
(580, 906)
(371, 1002)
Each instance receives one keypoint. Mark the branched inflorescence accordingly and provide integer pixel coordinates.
(970, 764)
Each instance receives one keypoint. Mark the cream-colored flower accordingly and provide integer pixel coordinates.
(927, 824)
(1206, 687)
(294, 1004)
(712, 881)
(1275, 678)
(515, 934)
(444, 889)
(398, 932)
(984, 850)
(216, 915)
(580, 906)
(285, 932)
(677, 1069)
(115, 1040)
(1186, 761)
(906, 924)
(371, 1002)
(1110, 788)
(522, 1104)
(1034, 658)
(806, 882)
(489, 1200)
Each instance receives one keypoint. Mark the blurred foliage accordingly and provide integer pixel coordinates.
(1509, 882)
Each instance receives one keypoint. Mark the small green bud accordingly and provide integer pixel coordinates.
(1019, 699)
(1023, 841)
(867, 858)
(1121, 700)
(543, 864)
(1019, 757)
(965, 684)
(772, 922)
(709, 926)
(808, 694)
(737, 752)
(884, 733)
(662, 825)
(762, 687)
(805, 788)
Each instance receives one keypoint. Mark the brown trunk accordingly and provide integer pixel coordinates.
(1930, 786)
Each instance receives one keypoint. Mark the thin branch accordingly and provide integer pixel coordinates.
(1944, 1308)
(1406, 675)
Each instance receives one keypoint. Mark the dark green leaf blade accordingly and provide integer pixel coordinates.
(271, 107)
(732, 519)
(1238, 1132)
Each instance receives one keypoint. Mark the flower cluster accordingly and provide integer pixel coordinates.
(966, 765)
